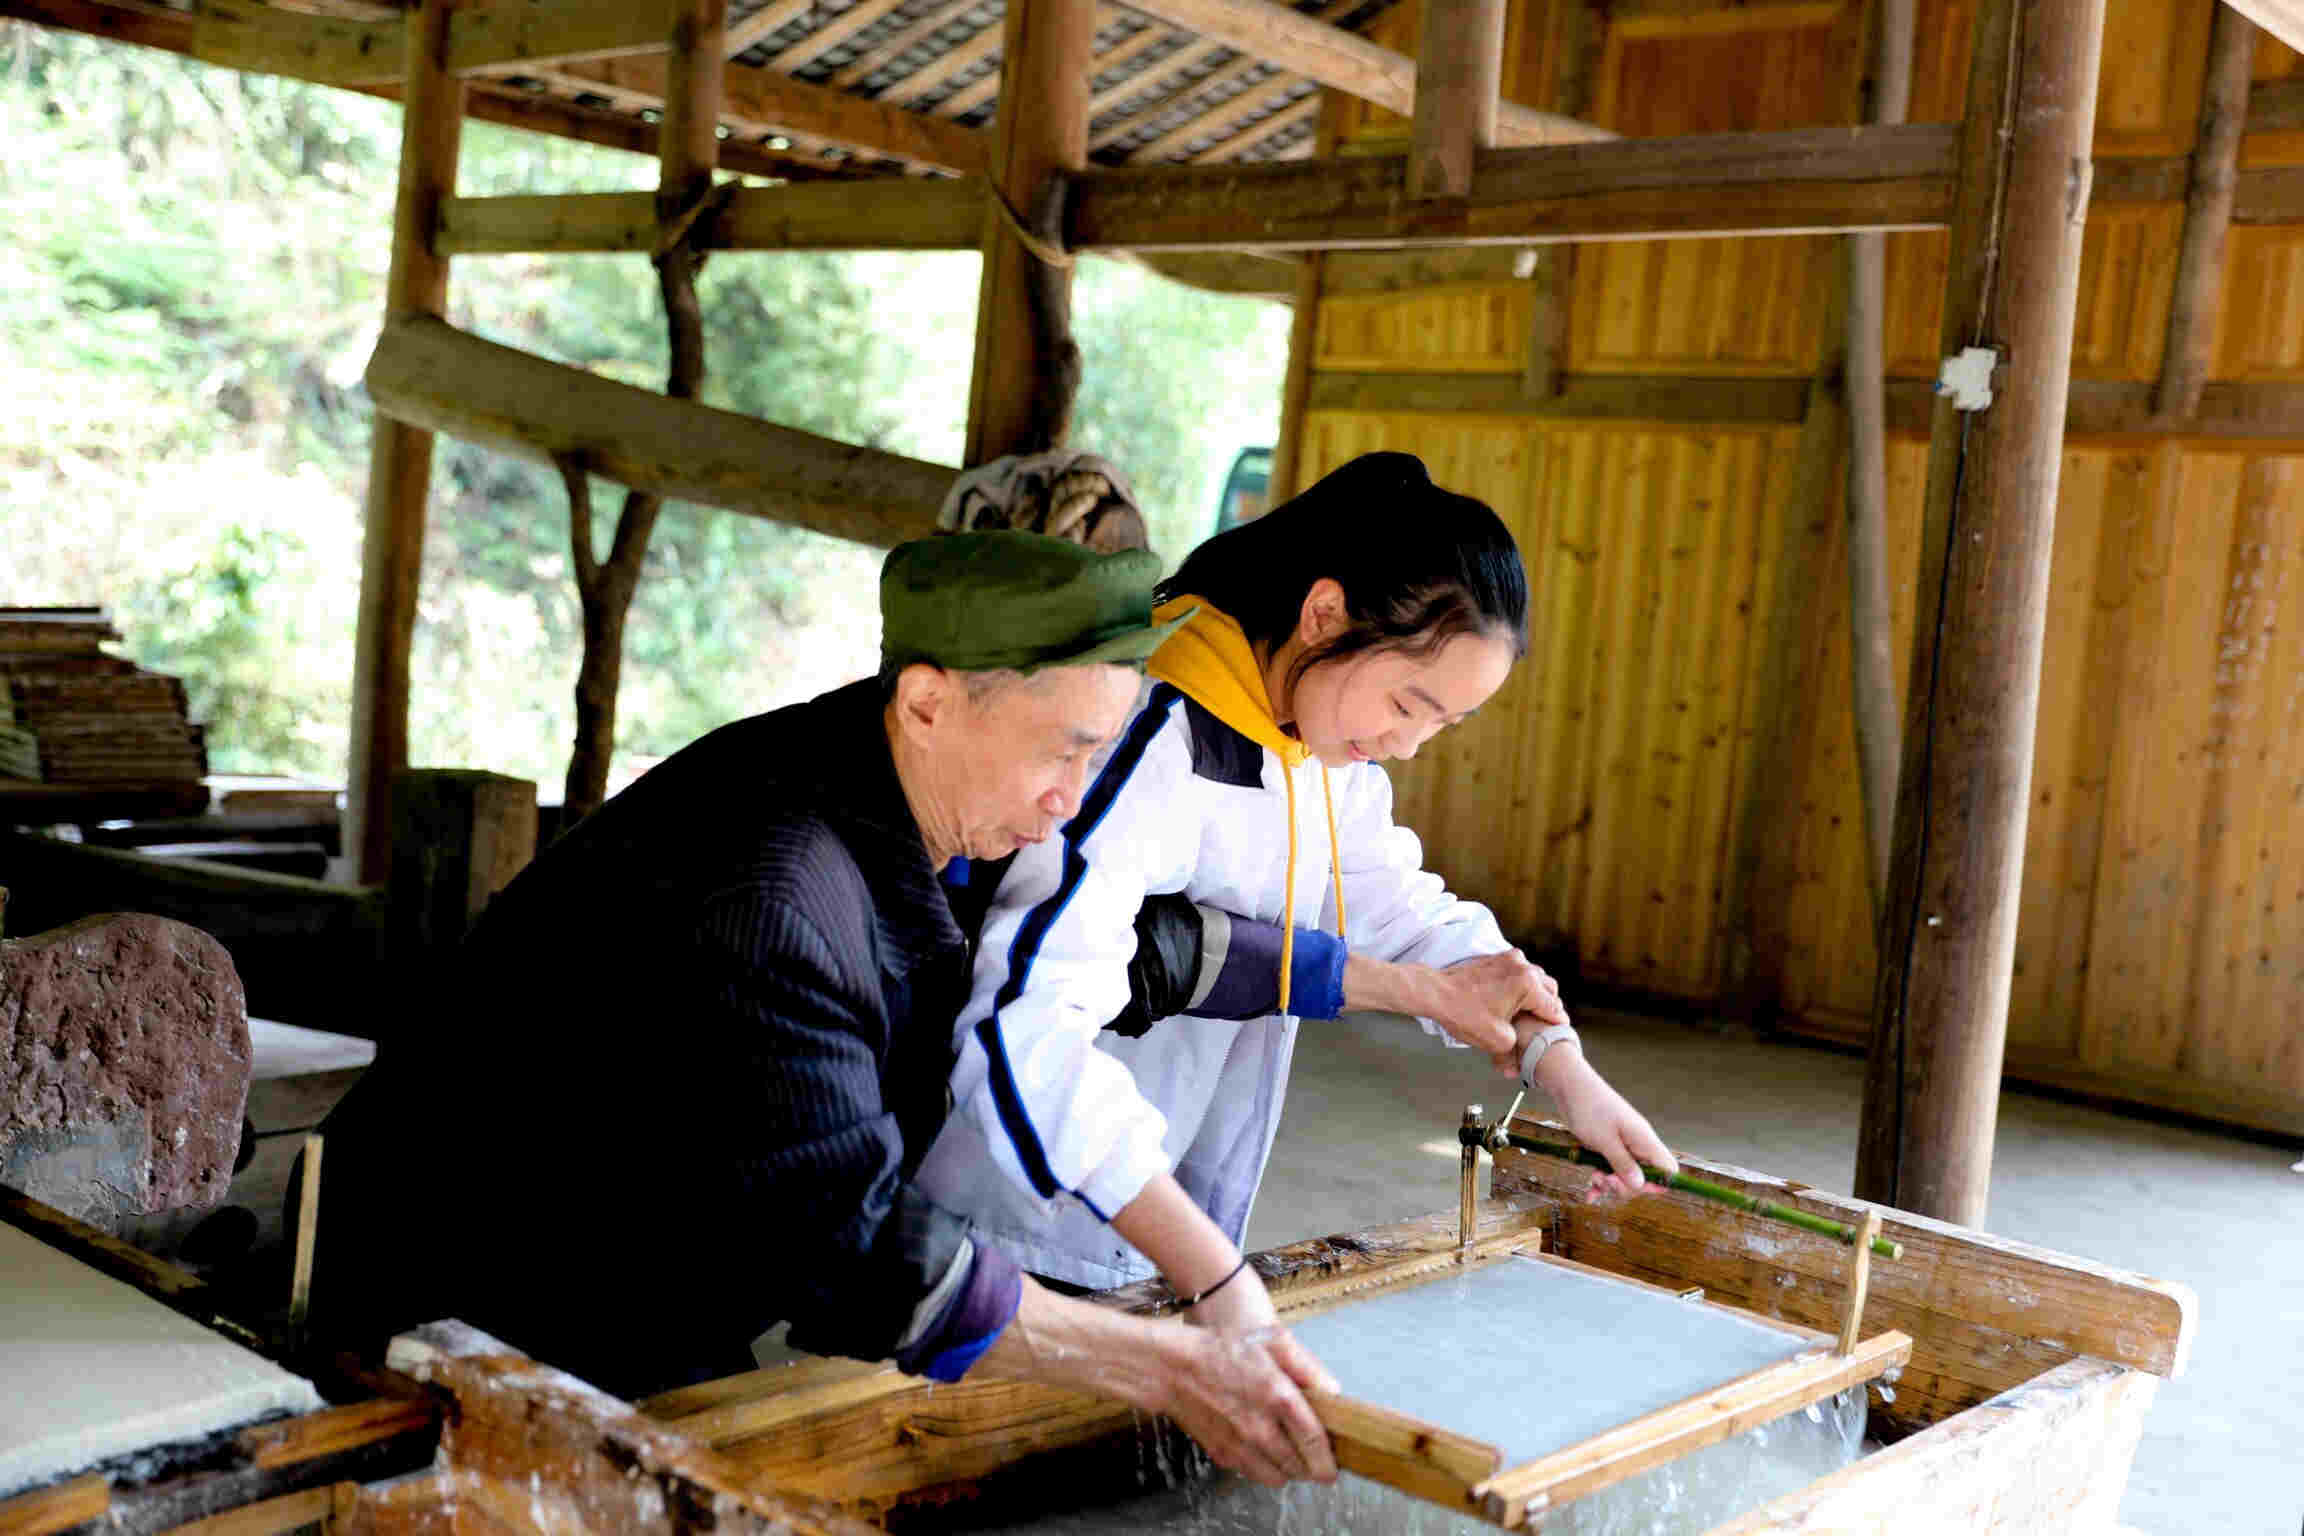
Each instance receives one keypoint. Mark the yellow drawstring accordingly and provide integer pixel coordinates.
(1335, 849)
(1288, 900)
(1335, 875)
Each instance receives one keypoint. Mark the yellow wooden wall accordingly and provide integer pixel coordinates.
(2161, 941)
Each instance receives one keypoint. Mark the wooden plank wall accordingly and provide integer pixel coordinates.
(2161, 949)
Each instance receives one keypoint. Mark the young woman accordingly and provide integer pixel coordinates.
(1339, 630)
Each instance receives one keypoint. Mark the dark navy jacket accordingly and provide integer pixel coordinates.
(674, 1088)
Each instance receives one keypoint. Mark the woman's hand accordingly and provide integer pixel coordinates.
(1475, 1001)
(1603, 1121)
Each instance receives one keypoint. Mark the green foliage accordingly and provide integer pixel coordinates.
(198, 271)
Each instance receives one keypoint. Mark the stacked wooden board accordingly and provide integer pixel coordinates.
(72, 713)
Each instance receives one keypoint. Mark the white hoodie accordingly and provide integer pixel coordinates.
(1057, 1123)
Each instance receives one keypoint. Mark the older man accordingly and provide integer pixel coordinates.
(677, 1087)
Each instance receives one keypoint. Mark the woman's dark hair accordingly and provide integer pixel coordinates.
(1419, 565)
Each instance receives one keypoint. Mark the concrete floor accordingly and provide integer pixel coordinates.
(1369, 1137)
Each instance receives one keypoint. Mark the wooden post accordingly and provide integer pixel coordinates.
(400, 456)
(1303, 334)
(459, 837)
(2198, 298)
(1459, 63)
(1871, 621)
(1947, 949)
(1552, 278)
(1043, 129)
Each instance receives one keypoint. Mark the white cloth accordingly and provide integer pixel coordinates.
(1057, 1124)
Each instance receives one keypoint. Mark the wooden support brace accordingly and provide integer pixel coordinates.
(307, 1237)
(1460, 62)
(1859, 1281)
(2194, 306)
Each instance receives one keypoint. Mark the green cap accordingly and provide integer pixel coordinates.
(984, 602)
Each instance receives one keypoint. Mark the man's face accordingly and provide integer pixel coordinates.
(1014, 763)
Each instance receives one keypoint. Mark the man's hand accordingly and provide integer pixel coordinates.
(1603, 1121)
(1474, 1000)
(1240, 1393)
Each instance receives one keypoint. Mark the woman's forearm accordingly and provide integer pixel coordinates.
(1167, 1227)
(1385, 986)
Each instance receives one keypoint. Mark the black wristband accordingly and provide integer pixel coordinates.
(1188, 1302)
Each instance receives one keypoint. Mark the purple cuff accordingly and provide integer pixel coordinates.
(1247, 984)
(975, 1318)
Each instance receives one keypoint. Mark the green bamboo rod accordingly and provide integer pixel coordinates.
(1687, 1184)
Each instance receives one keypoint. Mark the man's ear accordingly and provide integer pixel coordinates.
(1322, 618)
(923, 694)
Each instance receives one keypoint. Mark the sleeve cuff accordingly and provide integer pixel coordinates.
(1240, 970)
(1316, 980)
(973, 1321)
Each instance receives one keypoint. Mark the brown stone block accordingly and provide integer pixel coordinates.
(124, 1066)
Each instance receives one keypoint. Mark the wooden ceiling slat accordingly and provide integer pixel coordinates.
(1239, 69)
(1346, 61)
(770, 19)
(855, 19)
(1136, 43)
(933, 74)
(1304, 110)
(887, 52)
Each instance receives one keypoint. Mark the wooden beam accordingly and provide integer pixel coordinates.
(762, 100)
(1805, 181)
(1459, 66)
(1871, 615)
(887, 213)
(427, 372)
(1940, 1011)
(523, 36)
(266, 39)
(1343, 61)
(1586, 396)
(494, 101)
(1023, 308)
(400, 457)
(2198, 300)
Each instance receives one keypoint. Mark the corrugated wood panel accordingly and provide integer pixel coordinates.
(1593, 796)
(2127, 274)
(2155, 56)
(2275, 60)
(1459, 328)
(2199, 933)
(2260, 334)
(1700, 306)
(2160, 948)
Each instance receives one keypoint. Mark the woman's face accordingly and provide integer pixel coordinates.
(1381, 705)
